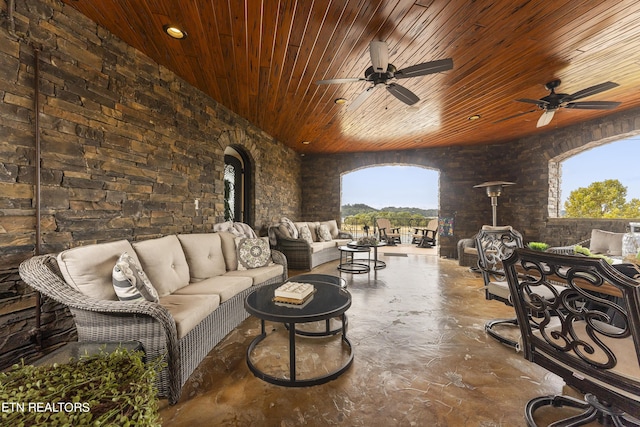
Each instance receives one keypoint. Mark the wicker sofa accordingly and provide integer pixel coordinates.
(306, 253)
(200, 287)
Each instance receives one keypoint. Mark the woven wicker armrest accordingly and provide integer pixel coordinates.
(286, 244)
(344, 235)
(279, 258)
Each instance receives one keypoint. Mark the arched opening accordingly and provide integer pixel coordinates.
(237, 185)
(406, 194)
(595, 163)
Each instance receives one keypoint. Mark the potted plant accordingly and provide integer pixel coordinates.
(538, 246)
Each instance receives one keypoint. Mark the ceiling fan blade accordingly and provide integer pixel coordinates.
(403, 94)
(516, 115)
(593, 105)
(379, 56)
(539, 102)
(545, 118)
(592, 90)
(332, 81)
(360, 99)
(425, 68)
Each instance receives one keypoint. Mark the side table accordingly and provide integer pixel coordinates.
(350, 265)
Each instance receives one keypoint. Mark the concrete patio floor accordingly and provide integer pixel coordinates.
(422, 358)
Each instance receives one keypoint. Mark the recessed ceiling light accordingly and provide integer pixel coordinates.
(175, 32)
(474, 117)
(340, 101)
(306, 142)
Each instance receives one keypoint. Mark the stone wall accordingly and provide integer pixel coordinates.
(532, 163)
(126, 146)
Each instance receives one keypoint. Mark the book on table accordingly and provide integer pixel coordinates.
(293, 292)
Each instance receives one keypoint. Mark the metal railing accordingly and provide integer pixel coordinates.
(359, 228)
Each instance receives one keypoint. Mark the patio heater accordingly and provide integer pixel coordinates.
(494, 189)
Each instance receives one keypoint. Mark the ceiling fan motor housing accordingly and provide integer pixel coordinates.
(372, 76)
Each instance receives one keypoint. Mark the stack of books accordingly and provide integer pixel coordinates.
(294, 293)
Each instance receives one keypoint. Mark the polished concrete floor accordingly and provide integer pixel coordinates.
(422, 358)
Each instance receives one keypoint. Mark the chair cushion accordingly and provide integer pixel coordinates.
(606, 242)
(319, 246)
(225, 286)
(252, 253)
(164, 262)
(499, 289)
(130, 282)
(189, 310)
(228, 242)
(89, 269)
(260, 274)
(203, 252)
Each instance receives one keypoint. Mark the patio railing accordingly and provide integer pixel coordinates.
(407, 227)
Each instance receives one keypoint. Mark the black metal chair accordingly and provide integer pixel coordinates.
(587, 332)
(494, 244)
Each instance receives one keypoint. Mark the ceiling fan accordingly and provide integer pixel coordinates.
(381, 72)
(552, 102)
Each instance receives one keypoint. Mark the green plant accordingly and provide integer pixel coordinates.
(538, 246)
(115, 389)
(585, 251)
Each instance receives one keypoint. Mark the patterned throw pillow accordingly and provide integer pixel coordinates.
(324, 235)
(130, 282)
(253, 253)
(290, 226)
(305, 233)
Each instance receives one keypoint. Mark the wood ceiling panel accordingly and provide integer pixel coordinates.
(261, 59)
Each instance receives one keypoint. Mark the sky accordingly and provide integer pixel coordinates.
(410, 186)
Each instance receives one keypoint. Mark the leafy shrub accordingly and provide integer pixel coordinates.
(538, 246)
(115, 389)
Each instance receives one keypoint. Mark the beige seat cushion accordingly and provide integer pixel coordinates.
(229, 250)
(341, 242)
(260, 274)
(318, 246)
(224, 286)
(164, 263)
(203, 252)
(606, 242)
(499, 289)
(189, 310)
(88, 268)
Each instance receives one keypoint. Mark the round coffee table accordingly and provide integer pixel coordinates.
(377, 264)
(350, 265)
(328, 301)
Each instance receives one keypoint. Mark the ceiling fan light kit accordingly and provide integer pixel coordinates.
(381, 73)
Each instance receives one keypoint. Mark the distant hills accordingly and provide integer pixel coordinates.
(349, 210)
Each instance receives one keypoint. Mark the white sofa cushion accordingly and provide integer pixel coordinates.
(260, 274)
(319, 246)
(229, 250)
(606, 242)
(203, 252)
(89, 269)
(164, 262)
(224, 286)
(189, 310)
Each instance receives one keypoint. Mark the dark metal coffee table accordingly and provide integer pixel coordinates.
(328, 301)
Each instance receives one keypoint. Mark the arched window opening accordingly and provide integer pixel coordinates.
(407, 195)
(600, 181)
(237, 185)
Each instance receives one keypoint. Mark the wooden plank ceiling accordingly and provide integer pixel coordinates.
(261, 59)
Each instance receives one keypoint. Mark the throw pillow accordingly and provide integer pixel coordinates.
(324, 235)
(131, 283)
(305, 233)
(290, 226)
(253, 253)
